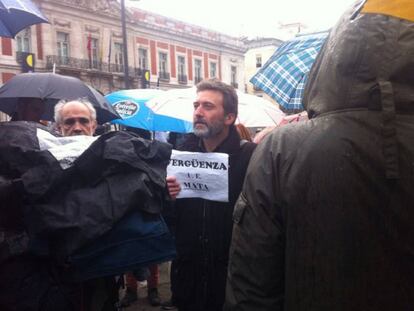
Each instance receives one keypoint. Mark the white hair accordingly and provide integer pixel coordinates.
(59, 106)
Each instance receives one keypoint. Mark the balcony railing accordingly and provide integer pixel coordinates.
(116, 67)
(197, 80)
(164, 76)
(86, 64)
(182, 79)
(140, 71)
(19, 57)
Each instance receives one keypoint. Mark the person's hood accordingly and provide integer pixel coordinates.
(367, 60)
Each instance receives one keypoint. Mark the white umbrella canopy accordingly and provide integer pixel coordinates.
(254, 111)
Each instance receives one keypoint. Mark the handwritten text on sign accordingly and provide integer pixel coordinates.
(201, 175)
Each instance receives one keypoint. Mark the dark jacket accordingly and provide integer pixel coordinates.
(203, 233)
(325, 218)
(51, 213)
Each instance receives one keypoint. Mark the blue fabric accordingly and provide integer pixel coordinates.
(138, 240)
(144, 117)
(284, 75)
(17, 15)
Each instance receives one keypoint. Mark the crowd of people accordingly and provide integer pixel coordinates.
(207, 247)
(319, 213)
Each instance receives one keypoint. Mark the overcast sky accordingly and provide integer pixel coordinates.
(249, 18)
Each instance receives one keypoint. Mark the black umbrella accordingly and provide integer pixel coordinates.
(51, 88)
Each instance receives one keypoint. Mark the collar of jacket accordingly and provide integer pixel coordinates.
(230, 145)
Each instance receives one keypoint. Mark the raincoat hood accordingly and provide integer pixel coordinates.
(367, 59)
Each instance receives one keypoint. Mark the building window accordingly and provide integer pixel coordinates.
(62, 40)
(143, 58)
(93, 52)
(182, 77)
(197, 71)
(119, 57)
(23, 41)
(163, 73)
(213, 70)
(234, 77)
(258, 61)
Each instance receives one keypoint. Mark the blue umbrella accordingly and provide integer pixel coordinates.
(284, 75)
(16, 15)
(130, 105)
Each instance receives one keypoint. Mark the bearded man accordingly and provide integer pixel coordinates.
(203, 227)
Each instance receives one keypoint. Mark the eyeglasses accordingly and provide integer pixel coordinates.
(71, 121)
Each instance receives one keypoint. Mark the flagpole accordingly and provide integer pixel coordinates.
(124, 38)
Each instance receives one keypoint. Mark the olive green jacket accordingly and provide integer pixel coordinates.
(325, 220)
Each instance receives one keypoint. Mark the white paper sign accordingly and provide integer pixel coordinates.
(201, 175)
(65, 149)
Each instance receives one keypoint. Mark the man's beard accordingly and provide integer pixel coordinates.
(208, 130)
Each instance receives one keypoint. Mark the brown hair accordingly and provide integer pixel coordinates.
(243, 132)
(230, 99)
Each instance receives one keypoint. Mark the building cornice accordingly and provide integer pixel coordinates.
(167, 34)
(102, 9)
(175, 27)
(262, 42)
(61, 23)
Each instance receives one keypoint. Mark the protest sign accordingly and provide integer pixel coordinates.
(201, 175)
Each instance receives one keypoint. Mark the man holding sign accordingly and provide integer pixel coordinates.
(204, 223)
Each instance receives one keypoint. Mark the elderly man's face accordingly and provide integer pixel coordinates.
(76, 119)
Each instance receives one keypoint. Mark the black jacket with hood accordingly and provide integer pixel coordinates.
(203, 233)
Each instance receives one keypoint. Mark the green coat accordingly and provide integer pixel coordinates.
(325, 220)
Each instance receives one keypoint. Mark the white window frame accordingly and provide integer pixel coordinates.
(182, 65)
(163, 63)
(94, 51)
(259, 64)
(146, 58)
(196, 76)
(63, 46)
(24, 41)
(233, 75)
(211, 72)
(119, 56)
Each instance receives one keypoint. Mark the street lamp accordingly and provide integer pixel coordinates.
(125, 44)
